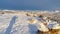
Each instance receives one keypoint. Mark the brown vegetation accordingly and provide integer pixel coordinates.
(51, 31)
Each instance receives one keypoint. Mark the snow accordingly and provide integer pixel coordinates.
(19, 24)
(9, 24)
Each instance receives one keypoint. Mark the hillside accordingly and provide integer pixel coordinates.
(15, 22)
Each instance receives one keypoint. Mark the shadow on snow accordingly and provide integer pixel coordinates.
(32, 28)
(12, 22)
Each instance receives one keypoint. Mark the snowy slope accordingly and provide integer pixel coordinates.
(19, 26)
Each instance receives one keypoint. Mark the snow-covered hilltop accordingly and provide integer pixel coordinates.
(24, 22)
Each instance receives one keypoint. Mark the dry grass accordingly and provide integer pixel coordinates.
(51, 31)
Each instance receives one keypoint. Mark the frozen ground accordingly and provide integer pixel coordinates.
(16, 24)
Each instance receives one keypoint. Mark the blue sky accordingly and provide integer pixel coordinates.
(30, 4)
